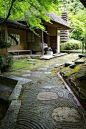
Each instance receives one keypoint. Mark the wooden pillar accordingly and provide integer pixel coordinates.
(42, 44)
(58, 42)
(6, 34)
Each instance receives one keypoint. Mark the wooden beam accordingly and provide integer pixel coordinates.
(56, 25)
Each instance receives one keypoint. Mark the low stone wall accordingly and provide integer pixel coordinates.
(10, 118)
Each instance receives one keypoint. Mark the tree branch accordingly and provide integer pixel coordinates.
(9, 13)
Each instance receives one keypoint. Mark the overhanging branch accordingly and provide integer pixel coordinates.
(9, 12)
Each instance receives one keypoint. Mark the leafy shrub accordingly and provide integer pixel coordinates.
(71, 45)
(4, 44)
(6, 62)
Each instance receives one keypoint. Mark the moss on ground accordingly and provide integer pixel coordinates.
(76, 69)
(74, 75)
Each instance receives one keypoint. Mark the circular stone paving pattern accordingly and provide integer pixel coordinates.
(47, 96)
(66, 114)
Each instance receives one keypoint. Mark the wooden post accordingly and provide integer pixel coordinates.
(57, 39)
(42, 44)
(58, 42)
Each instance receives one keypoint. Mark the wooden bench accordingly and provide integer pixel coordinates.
(18, 51)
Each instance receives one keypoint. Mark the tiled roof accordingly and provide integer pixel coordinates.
(54, 17)
(11, 22)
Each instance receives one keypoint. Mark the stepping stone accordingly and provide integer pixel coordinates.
(47, 57)
(47, 72)
(49, 87)
(31, 63)
(66, 114)
(68, 63)
(73, 66)
(46, 66)
(21, 80)
(21, 61)
(42, 69)
(30, 59)
(26, 75)
(57, 65)
(79, 62)
(26, 71)
(47, 96)
(82, 55)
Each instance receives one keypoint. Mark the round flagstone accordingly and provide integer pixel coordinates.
(47, 96)
(66, 114)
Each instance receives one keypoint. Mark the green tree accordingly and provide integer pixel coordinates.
(32, 10)
(76, 17)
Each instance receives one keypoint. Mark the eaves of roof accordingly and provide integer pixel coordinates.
(55, 18)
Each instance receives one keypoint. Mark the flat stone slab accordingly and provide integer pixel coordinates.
(47, 57)
(68, 63)
(49, 87)
(72, 65)
(42, 69)
(79, 62)
(26, 71)
(57, 65)
(11, 115)
(21, 61)
(46, 66)
(30, 59)
(47, 72)
(26, 75)
(82, 55)
(66, 114)
(47, 96)
(31, 63)
(21, 80)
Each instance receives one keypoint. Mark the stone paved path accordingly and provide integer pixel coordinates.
(47, 103)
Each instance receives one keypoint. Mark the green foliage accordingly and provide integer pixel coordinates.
(8, 61)
(77, 18)
(76, 69)
(71, 45)
(32, 10)
(4, 44)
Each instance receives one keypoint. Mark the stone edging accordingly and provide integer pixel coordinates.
(11, 116)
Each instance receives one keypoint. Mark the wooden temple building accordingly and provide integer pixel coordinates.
(24, 40)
